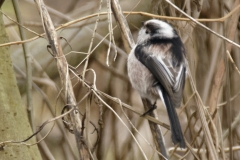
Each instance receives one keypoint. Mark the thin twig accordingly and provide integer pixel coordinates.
(27, 57)
(121, 106)
(200, 24)
(144, 155)
(200, 108)
(128, 13)
(44, 148)
(232, 61)
(40, 128)
(235, 148)
(20, 23)
(152, 119)
(91, 43)
(123, 25)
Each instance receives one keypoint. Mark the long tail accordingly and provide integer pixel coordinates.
(177, 135)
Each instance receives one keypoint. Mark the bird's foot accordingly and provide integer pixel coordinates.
(154, 106)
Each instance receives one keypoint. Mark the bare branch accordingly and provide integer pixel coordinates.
(64, 74)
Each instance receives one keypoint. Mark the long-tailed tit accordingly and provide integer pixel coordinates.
(156, 68)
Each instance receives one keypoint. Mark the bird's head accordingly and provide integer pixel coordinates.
(155, 27)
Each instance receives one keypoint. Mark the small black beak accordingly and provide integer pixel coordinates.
(143, 23)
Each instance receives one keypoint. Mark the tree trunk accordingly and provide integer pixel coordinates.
(14, 124)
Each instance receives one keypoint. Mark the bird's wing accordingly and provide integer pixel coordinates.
(171, 78)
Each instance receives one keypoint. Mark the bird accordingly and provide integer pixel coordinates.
(157, 68)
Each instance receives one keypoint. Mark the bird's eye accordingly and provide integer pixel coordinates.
(146, 32)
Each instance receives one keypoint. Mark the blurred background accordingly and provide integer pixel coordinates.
(216, 78)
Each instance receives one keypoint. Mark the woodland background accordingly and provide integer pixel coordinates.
(212, 85)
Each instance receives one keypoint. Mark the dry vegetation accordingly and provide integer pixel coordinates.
(108, 108)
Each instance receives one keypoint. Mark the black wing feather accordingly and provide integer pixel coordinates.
(163, 74)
